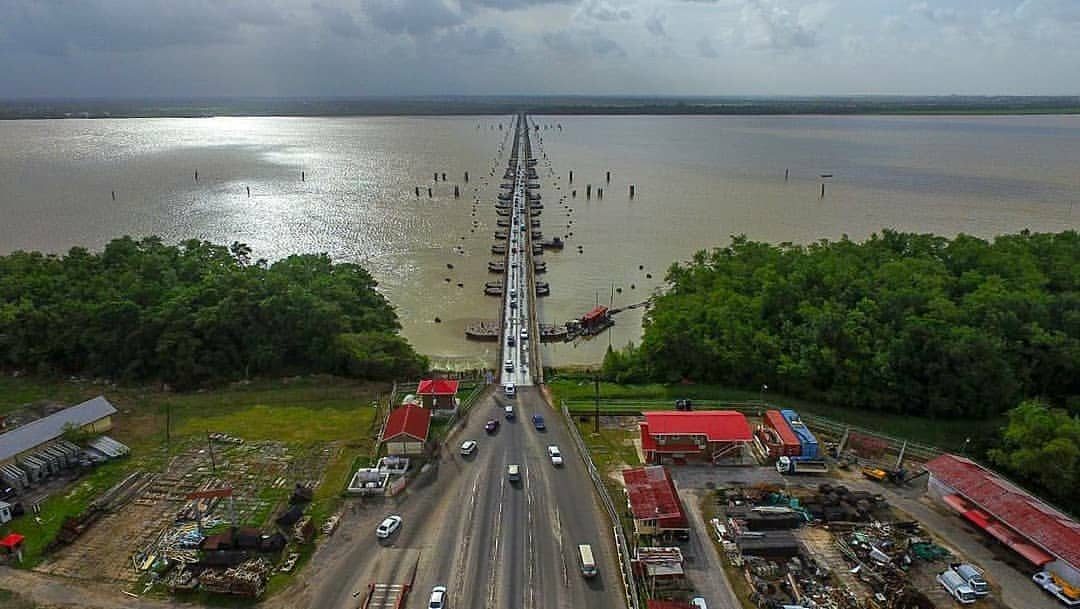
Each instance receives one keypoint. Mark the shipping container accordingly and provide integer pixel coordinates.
(788, 445)
(807, 440)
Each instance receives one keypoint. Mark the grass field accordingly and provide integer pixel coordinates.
(299, 412)
(946, 434)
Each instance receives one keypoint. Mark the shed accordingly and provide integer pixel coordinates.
(438, 394)
(406, 430)
(93, 416)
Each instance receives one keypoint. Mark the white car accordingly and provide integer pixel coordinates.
(556, 456)
(698, 602)
(388, 526)
(438, 598)
(524, 334)
(468, 447)
(508, 365)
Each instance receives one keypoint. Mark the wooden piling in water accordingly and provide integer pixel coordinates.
(631, 191)
(436, 176)
(248, 191)
(444, 176)
(429, 192)
(114, 195)
(588, 191)
(416, 189)
(609, 177)
(466, 177)
(571, 177)
(457, 193)
(785, 175)
(303, 177)
(822, 190)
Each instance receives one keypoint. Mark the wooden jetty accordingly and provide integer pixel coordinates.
(486, 331)
(496, 266)
(493, 288)
(498, 249)
(543, 289)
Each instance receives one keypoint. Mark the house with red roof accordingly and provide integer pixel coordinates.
(406, 430)
(654, 503)
(438, 394)
(1042, 535)
(680, 437)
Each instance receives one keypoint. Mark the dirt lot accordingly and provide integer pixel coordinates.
(121, 546)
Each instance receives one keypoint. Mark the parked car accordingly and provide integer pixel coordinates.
(698, 602)
(508, 365)
(468, 447)
(388, 526)
(508, 410)
(538, 422)
(491, 426)
(556, 456)
(524, 334)
(438, 598)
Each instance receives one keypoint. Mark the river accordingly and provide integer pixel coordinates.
(697, 181)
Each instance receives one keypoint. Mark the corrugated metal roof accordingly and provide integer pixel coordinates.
(437, 387)
(46, 429)
(716, 425)
(409, 420)
(651, 494)
(1014, 507)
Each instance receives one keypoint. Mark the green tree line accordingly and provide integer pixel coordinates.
(193, 313)
(904, 323)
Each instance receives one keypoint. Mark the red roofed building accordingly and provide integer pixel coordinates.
(712, 436)
(406, 430)
(438, 394)
(1044, 536)
(654, 502)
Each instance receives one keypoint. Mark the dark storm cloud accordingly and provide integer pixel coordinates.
(512, 5)
(339, 20)
(60, 27)
(470, 40)
(413, 16)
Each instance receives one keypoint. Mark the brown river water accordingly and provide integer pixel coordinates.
(697, 181)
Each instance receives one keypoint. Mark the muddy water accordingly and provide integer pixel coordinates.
(697, 179)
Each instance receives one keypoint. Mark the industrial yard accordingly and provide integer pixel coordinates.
(800, 512)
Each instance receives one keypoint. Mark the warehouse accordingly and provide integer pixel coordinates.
(654, 503)
(1045, 537)
(711, 436)
(91, 416)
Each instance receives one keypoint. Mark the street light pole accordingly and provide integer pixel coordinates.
(761, 394)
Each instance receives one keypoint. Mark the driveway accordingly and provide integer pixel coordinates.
(702, 566)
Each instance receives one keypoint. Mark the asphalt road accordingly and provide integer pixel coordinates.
(493, 544)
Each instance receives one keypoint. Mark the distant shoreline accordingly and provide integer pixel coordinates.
(553, 105)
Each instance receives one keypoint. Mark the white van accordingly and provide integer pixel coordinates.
(509, 390)
(586, 560)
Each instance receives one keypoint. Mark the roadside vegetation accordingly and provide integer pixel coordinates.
(193, 314)
(901, 323)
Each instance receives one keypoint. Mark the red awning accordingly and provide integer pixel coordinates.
(1016, 542)
(957, 503)
(978, 517)
(11, 541)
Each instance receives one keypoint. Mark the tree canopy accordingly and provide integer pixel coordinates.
(901, 322)
(193, 313)
(1042, 445)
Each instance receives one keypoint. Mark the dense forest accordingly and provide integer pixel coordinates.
(195, 313)
(905, 323)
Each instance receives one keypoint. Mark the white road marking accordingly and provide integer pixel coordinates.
(495, 546)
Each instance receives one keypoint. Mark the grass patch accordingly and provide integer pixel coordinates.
(948, 434)
(299, 412)
(11, 600)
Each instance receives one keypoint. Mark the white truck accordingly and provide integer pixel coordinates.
(958, 588)
(1061, 590)
(789, 465)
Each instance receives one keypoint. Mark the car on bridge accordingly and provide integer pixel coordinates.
(508, 365)
(555, 455)
(538, 422)
(438, 598)
(388, 526)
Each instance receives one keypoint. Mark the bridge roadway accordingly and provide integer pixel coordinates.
(492, 543)
(517, 327)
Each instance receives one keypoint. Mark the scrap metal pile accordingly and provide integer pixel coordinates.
(829, 549)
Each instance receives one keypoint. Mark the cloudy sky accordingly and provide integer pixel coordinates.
(136, 48)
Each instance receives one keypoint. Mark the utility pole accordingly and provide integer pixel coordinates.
(596, 413)
(168, 423)
(761, 394)
(210, 444)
